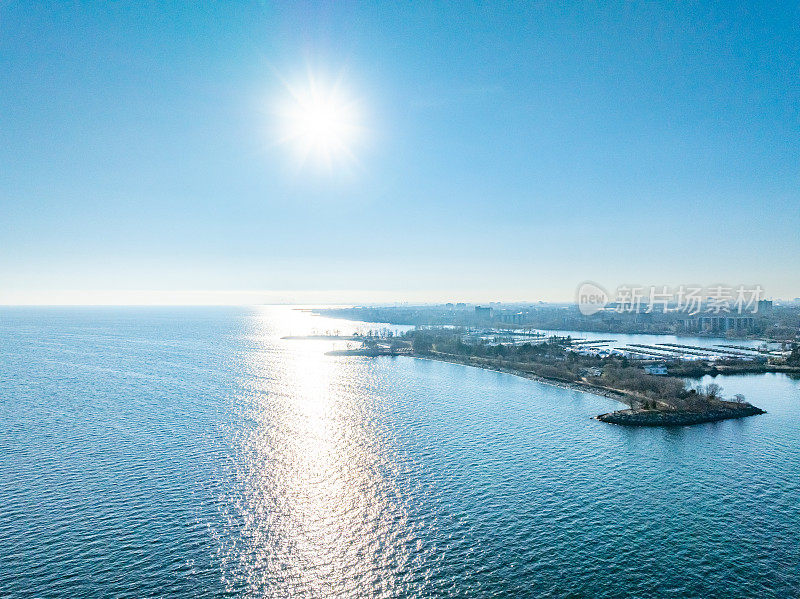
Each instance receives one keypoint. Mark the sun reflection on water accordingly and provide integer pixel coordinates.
(316, 503)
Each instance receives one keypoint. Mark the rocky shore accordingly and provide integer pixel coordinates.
(620, 396)
(677, 417)
(636, 415)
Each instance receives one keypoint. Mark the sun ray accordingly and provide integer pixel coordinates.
(321, 121)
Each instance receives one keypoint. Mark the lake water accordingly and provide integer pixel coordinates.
(153, 452)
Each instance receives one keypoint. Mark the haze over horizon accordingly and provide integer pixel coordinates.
(321, 153)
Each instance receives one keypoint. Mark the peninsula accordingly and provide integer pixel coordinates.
(652, 399)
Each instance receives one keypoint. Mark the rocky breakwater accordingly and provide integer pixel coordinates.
(641, 417)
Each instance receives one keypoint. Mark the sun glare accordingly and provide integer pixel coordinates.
(321, 122)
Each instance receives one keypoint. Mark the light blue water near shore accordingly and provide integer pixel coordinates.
(193, 453)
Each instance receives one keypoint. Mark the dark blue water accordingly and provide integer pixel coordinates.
(193, 453)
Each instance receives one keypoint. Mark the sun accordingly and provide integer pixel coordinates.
(321, 122)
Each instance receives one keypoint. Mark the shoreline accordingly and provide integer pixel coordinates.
(614, 394)
(634, 415)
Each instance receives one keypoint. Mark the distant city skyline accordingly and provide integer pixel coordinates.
(323, 153)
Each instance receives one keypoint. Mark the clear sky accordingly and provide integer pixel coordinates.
(493, 152)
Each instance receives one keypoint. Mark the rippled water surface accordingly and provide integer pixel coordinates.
(194, 453)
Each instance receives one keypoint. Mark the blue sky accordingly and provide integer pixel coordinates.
(509, 151)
